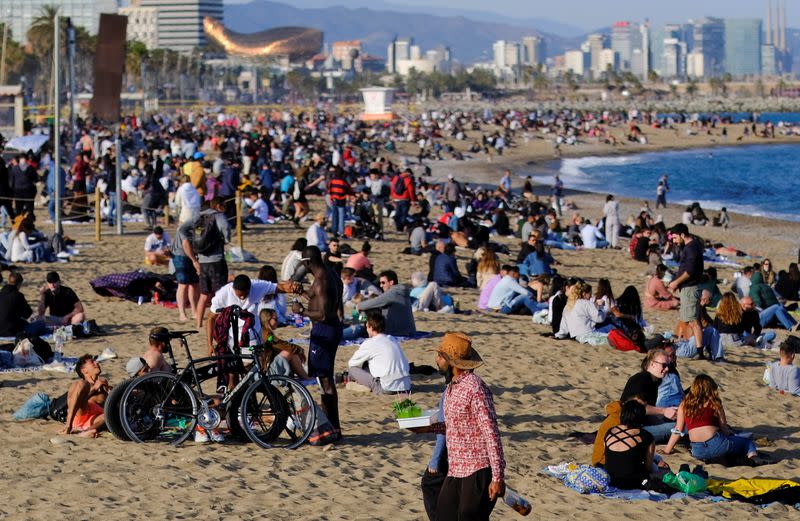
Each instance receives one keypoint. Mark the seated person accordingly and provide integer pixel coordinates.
(258, 212)
(157, 248)
(387, 369)
(538, 262)
(333, 257)
(771, 311)
(712, 343)
(64, 305)
(292, 268)
(136, 366)
(85, 399)
(645, 384)
(360, 262)
(702, 415)
(737, 326)
(488, 287)
(14, 308)
(394, 303)
(276, 301)
(783, 375)
(656, 295)
(284, 358)
(510, 297)
(709, 282)
(581, 315)
(158, 344)
(355, 288)
(630, 450)
(418, 238)
(445, 269)
(315, 235)
(427, 296)
(591, 236)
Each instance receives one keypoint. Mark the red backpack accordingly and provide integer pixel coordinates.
(620, 341)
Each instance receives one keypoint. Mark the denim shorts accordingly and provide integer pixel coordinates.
(720, 445)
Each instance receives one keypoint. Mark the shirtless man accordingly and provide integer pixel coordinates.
(85, 399)
(158, 345)
(325, 311)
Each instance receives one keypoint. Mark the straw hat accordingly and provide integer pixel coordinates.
(456, 348)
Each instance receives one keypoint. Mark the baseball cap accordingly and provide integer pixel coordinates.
(135, 365)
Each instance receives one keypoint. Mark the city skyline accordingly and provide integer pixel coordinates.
(585, 15)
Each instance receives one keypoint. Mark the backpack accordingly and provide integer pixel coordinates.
(208, 236)
(620, 341)
(58, 409)
(398, 188)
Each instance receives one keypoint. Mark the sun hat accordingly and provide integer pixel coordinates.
(456, 348)
(134, 365)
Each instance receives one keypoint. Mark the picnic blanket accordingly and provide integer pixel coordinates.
(135, 284)
(66, 365)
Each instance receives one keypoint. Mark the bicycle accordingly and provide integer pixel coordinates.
(269, 410)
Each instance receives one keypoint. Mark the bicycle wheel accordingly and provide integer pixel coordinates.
(112, 411)
(157, 407)
(232, 418)
(278, 413)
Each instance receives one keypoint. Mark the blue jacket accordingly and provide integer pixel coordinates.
(445, 271)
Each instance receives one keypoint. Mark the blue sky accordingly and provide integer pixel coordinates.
(586, 14)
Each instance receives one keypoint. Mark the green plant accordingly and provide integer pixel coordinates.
(406, 409)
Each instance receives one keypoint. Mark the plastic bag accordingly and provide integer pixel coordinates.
(25, 356)
(685, 482)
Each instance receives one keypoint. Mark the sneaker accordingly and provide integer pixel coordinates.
(216, 436)
(200, 436)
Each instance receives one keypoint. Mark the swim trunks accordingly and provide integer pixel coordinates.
(325, 338)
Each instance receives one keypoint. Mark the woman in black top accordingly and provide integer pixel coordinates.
(659, 420)
(629, 449)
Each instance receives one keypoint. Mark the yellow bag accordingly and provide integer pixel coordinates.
(747, 488)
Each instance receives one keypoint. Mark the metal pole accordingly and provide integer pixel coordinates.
(118, 195)
(56, 125)
(142, 73)
(71, 58)
(97, 213)
(239, 234)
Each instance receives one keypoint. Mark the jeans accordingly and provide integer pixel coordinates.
(353, 332)
(51, 208)
(337, 222)
(401, 213)
(711, 339)
(660, 431)
(776, 311)
(112, 208)
(523, 301)
(720, 445)
(560, 245)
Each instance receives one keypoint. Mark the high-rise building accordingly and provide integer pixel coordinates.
(142, 25)
(625, 37)
(609, 60)
(180, 22)
(743, 39)
(769, 60)
(20, 14)
(642, 68)
(709, 41)
(578, 62)
(399, 49)
(594, 45)
(534, 48)
(674, 58)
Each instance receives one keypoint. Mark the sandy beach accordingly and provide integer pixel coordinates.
(543, 390)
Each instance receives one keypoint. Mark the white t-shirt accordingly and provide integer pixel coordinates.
(153, 243)
(261, 210)
(187, 196)
(589, 236)
(386, 361)
(225, 297)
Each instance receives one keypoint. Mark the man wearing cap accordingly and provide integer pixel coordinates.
(85, 399)
(476, 472)
(687, 280)
(194, 169)
(64, 305)
(137, 366)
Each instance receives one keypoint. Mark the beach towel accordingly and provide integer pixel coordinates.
(135, 284)
(759, 491)
(66, 365)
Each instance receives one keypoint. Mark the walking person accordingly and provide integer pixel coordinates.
(23, 186)
(338, 191)
(557, 195)
(402, 193)
(661, 192)
(687, 279)
(476, 472)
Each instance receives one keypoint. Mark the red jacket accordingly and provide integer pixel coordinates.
(403, 188)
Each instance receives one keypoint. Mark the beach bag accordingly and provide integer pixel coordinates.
(40, 347)
(25, 355)
(588, 480)
(58, 409)
(685, 481)
(620, 341)
(208, 236)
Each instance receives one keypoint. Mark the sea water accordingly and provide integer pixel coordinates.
(762, 180)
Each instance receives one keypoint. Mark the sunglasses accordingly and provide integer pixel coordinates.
(664, 365)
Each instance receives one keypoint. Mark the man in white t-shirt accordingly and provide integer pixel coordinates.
(247, 295)
(591, 236)
(258, 213)
(388, 369)
(188, 199)
(157, 248)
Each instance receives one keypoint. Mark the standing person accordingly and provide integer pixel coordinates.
(611, 214)
(402, 193)
(505, 183)
(435, 473)
(557, 195)
(452, 193)
(326, 312)
(23, 186)
(194, 170)
(50, 187)
(230, 178)
(476, 473)
(188, 199)
(81, 170)
(154, 195)
(338, 191)
(5, 188)
(205, 246)
(687, 280)
(185, 274)
(661, 192)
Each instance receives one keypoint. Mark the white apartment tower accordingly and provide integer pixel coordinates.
(180, 22)
(142, 25)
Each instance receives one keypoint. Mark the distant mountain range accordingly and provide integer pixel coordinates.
(469, 40)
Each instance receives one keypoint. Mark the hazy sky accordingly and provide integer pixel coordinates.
(588, 14)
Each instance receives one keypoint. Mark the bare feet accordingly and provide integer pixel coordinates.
(183, 318)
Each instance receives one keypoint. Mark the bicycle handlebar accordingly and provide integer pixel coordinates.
(181, 334)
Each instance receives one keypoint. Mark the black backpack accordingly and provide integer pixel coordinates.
(58, 409)
(207, 235)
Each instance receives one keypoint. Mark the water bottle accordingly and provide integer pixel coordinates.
(517, 502)
(58, 339)
(298, 320)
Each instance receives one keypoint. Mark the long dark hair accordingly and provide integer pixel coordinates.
(629, 302)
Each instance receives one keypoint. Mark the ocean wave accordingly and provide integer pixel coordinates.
(574, 167)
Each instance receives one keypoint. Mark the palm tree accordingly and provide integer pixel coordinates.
(40, 36)
(135, 54)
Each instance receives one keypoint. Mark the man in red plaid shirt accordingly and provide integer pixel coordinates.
(476, 461)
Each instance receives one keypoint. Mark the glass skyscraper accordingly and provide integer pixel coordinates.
(86, 13)
(743, 39)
